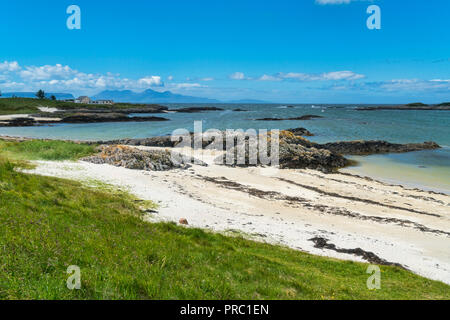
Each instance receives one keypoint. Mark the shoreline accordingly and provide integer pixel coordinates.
(410, 170)
(291, 207)
(351, 169)
(395, 182)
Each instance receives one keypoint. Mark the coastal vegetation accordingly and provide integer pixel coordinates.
(31, 106)
(44, 150)
(48, 224)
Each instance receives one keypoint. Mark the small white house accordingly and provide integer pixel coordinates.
(87, 100)
(84, 100)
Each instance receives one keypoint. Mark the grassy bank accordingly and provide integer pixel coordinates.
(48, 224)
(44, 150)
(31, 106)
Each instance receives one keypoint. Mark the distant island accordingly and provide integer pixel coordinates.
(149, 96)
(128, 96)
(409, 106)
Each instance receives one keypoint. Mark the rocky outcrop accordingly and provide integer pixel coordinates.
(145, 109)
(291, 156)
(133, 158)
(196, 109)
(106, 117)
(305, 117)
(410, 106)
(300, 132)
(363, 147)
(163, 141)
(18, 122)
(151, 108)
(299, 157)
(295, 152)
(75, 118)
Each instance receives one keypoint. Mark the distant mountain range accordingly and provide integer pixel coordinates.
(59, 96)
(149, 96)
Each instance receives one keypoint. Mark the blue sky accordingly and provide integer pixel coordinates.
(281, 51)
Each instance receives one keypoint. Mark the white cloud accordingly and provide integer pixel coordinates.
(396, 85)
(237, 76)
(187, 85)
(7, 66)
(335, 75)
(170, 78)
(65, 79)
(341, 75)
(152, 81)
(413, 85)
(295, 76)
(207, 79)
(440, 80)
(266, 77)
(47, 72)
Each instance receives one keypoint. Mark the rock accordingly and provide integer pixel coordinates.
(164, 141)
(300, 132)
(196, 109)
(410, 106)
(240, 110)
(183, 221)
(133, 158)
(294, 153)
(362, 147)
(19, 122)
(106, 117)
(151, 108)
(138, 108)
(300, 157)
(305, 117)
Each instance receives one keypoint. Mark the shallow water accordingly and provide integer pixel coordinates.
(420, 169)
(341, 122)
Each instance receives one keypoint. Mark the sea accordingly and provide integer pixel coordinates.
(428, 170)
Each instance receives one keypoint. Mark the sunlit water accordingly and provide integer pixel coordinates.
(426, 169)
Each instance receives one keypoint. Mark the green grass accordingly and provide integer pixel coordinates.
(45, 150)
(30, 106)
(48, 224)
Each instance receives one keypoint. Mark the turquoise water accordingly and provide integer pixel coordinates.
(340, 122)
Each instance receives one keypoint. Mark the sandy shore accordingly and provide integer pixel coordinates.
(290, 207)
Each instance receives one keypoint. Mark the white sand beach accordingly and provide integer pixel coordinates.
(410, 227)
